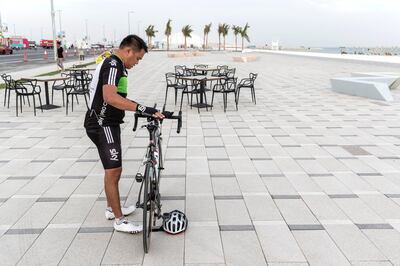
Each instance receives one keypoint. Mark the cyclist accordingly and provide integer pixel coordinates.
(108, 103)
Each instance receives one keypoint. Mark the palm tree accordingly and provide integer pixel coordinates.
(244, 35)
(207, 29)
(150, 32)
(168, 31)
(220, 31)
(236, 31)
(187, 31)
(225, 31)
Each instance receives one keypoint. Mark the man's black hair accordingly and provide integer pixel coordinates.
(134, 42)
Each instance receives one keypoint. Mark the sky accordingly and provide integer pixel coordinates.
(294, 23)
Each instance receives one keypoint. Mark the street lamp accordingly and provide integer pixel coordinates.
(87, 33)
(53, 23)
(129, 21)
(138, 28)
(59, 18)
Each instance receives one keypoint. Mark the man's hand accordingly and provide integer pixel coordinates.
(158, 115)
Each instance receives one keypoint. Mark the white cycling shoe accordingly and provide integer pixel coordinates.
(128, 227)
(125, 211)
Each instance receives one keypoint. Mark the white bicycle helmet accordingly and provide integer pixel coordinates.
(175, 222)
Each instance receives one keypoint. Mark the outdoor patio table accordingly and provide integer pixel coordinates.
(46, 81)
(203, 79)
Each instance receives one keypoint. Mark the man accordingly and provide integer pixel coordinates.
(60, 56)
(108, 103)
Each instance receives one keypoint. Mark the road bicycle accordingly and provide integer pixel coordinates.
(149, 198)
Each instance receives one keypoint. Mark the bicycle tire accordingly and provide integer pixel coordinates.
(148, 207)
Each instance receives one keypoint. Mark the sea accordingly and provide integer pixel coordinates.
(358, 50)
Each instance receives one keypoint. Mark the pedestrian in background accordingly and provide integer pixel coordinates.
(60, 56)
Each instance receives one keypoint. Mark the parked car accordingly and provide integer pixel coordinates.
(5, 50)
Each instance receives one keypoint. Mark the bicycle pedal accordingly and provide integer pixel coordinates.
(161, 168)
(139, 177)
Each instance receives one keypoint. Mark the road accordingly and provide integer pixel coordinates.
(35, 58)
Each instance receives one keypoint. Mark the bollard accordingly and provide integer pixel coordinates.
(25, 56)
(45, 57)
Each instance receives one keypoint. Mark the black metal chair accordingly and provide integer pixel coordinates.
(192, 88)
(181, 70)
(247, 83)
(172, 83)
(9, 86)
(198, 72)
(221, 70)
(63, 86)
(230, 73)
(26, 88)
(225, 86)
(80, 88)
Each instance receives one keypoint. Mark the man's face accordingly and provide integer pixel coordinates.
(133, 57)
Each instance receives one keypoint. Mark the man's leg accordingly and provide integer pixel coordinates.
(111, 180)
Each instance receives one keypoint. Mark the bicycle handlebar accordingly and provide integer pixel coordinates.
(168, 115)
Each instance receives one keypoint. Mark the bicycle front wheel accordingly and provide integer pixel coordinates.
(148, 206)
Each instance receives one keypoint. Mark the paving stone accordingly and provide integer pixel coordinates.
(170, 250)
(203, 245)
(225, 215)
(74, 211)
(353, 243)
(226, 186)
(86, 249)
(319, 248)
(200, 208)
(358, 211)
(242, 248)
(129, 253)
(13, 247)
(42, 251)
(295, 211)
(36, 217)
(278, 244)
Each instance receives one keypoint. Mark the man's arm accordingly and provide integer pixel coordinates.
(111, 97)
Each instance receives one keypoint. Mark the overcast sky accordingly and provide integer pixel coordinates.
(314, 23)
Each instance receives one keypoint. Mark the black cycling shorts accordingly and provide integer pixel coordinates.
(108, 143)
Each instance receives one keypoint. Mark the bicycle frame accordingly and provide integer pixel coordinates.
(152, 159)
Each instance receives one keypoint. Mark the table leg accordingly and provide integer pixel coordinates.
(82, 81)
(47, 106)
(202, 104)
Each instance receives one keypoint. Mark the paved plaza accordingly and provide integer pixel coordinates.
(305, 177)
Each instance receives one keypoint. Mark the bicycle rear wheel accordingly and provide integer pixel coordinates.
(148, 206)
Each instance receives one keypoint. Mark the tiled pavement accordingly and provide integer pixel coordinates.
(306, 176)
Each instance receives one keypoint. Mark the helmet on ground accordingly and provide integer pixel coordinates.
(175, 222)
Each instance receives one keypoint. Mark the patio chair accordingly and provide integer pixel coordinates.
(182, 71)
(25, 88)
(225, 86)
(80, 89)
(172, 83)
(247, 83)
(221, 70)
(63, 86)
(10, 86)
(200, 72)
(193, 88)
